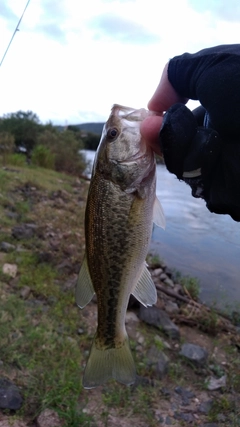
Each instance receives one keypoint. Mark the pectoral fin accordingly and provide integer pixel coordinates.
(158, 214)
(84, 289)
(145, 290)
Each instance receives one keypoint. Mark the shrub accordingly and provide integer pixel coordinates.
(43, 157)
(65, 147)
(16, 159)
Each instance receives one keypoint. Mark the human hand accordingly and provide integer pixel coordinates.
(162, 99)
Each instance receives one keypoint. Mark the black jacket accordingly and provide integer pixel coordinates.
(203, 147)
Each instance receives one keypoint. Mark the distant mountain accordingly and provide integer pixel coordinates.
(95, 127)
(92, 127)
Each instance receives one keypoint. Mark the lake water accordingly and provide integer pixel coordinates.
(196, 242)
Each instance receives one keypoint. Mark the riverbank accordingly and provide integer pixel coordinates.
(187, 355)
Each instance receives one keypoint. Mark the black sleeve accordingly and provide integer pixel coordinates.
(211, 76)
(203, 148)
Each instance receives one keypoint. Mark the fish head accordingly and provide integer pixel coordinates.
(123, 156)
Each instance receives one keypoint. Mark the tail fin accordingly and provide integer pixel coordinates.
(110, 363)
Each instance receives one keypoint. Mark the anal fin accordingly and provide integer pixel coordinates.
(145, 290)
(84, 289)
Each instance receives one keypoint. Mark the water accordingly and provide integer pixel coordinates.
(196, 242)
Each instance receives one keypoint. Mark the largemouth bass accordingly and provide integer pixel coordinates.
(121, 208)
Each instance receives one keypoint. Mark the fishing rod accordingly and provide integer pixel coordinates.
(15, 31)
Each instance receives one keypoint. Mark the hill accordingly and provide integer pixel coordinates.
(95, 127)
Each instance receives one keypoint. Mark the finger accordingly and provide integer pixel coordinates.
(165, 95)
(150, 128)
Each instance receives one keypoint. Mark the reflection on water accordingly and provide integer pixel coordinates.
(197, 242)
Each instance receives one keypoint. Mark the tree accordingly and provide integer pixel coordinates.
(24, 126)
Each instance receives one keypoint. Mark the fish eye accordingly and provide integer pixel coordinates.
(112, 133)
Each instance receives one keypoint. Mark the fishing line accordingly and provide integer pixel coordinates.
(16, 29)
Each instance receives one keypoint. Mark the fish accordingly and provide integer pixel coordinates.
(120, 211)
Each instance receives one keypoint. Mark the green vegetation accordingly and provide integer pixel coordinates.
(46, 146)
(45, 338)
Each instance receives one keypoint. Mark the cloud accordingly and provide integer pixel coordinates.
(112, 26)
(226, 11)
(52, 30)
(48, 18)
(6, 12)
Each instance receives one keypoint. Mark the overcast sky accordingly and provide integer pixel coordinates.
(73, 59)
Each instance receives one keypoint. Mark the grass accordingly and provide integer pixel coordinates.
(41, 350)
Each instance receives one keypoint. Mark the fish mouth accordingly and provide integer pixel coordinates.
(131, 114)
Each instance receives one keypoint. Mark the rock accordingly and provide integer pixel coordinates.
(156, 317)
(162, 365)
(45, 256)
(25, 292)
(216, 383)
(160, 361)
(163, 277)
(9, 422)
(10, 270)
(165, 391)
(205, 407)
(24, 231)
(209, 425)
(7, 247)
(169, 282)
(194, 353)
(131, 317)
(168, 421)
(186, 417)
(171, 307)
(10, 397)
(157, 272)
(184, 392)
(49, 418)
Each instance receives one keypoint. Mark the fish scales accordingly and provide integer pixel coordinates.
(114, 238)
(120, 209)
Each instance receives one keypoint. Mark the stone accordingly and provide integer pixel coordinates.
(10, 397)
(163, 277)
(159, 360)
(184, 392)
(131, 317)
(216, 383)
(169, 282)
(156, 317)
(157, 272)
(49, 418)
(186, 417)
(9, 422)
(194, 353)
(25, 292)
(7, 247)
(162, 365)
(10, 270)
(209, 425)
(171, 307)
(24, 231)
(205, 407)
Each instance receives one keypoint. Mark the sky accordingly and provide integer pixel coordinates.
(71, 60)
